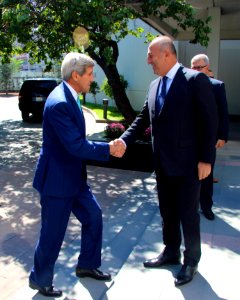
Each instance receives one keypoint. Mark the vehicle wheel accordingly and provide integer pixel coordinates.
(25, 116)
(37, 118)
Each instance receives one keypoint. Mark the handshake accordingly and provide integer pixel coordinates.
(117, 147)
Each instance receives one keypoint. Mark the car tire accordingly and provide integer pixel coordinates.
(25, 116)
(37, 118)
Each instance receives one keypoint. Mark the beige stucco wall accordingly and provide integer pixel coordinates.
(228, 70)
(133, 65)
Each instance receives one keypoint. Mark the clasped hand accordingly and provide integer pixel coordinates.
(117, 148)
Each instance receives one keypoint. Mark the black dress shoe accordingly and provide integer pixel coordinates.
(48, 291)
(208, 214)
(185, 275)
(93, 273)
(162, 260)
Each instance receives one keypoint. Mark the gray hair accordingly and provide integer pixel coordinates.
(198, 57)
(75, 61)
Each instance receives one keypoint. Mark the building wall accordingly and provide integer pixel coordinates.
(229, 72)
(132, 64)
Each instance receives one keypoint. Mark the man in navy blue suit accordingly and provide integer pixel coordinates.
(181, 110)
(61, 178)
(200, 63)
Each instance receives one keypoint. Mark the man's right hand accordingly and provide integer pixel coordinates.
(117, 148)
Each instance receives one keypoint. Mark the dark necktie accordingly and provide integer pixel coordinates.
(161, 97)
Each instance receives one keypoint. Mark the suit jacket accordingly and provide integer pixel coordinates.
(184, 132)
(61, 166)
(221, 101)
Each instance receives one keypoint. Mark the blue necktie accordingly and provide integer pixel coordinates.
(161, 97)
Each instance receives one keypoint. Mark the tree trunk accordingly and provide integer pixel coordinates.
(119, 93)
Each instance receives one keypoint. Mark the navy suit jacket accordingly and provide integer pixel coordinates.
(221, 101)
(61, 166)
(184, 132)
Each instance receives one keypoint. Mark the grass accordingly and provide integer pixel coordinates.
(112, 112)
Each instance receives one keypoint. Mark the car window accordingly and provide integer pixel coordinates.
(38, 87)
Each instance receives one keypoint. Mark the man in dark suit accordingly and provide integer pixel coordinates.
(61, 178)
(182, 112)
(200, 63)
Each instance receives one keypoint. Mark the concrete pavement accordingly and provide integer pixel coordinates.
(132, 229)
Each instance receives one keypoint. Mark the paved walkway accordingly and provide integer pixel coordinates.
(131, 229)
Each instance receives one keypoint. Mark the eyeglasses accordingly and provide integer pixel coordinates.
(198, 67)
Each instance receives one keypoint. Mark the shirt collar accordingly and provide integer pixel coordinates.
(172, 72)
(74, 93)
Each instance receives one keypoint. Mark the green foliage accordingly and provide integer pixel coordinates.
(106, 88)
(182, 13)
(113, 113)
(6, 72)
(94, 88)
(44, 28)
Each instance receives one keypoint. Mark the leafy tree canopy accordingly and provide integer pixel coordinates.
(44, 29)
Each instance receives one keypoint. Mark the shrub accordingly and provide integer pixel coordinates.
(94, 89)
(106, 88)
(114, 130)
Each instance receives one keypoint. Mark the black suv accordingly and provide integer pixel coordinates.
(32, 97)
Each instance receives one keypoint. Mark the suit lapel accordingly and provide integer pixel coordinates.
(76, 111)
(172, 90)
(172, 93)
(153, 91)
(175, 88)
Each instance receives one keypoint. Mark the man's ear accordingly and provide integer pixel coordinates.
(74, 75)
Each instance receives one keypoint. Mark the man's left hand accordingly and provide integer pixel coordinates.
(204, 169)
(220, 143)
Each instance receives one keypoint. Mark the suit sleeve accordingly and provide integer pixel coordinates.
(139, 125)
(207, 117)
(71, 138)
(223, 113)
